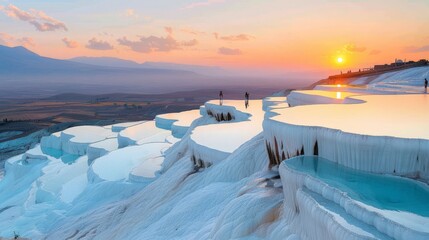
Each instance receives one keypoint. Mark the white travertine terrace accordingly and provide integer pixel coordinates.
(178, 123)
(147, 170)
(76, 140)
(145, 180)
(87, 134)
(136, 133)
(98, 149)
(118, 164)
(369, 136)
(122, 126)
(401, 116)
(216, 141)
(308, 97)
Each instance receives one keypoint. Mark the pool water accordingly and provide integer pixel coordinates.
(69, 158)
(58, 154)
(380, 191)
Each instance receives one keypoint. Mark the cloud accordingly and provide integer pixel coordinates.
(151, 44)
(130, 13)
(190, 43)
(156, 44)
(216, 35)
(417, 49)
(169, 30)
(70, 43)
(354, 49)
(192, 31)
(234, 38)
(374, 52)
(38, 19)
(105, 34)
(98, 45)
(9, 40)
(202, 4)
(229, 51)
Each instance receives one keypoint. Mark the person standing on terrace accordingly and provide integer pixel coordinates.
(426, 85)
(220, 98)
(246, 97)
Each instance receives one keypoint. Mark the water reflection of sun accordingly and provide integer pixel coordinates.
(338, 95)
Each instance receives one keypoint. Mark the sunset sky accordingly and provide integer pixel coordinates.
(306, 35)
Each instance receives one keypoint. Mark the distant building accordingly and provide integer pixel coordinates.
(378, 69)
(398, 62)
(381, 67)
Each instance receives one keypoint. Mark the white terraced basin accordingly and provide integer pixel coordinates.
(384, 134)
(136, 133)
(379, 115)
(147, 170)
(216, 141)
(307, 97)
(122, 126)
(178, 123)
(118, 164)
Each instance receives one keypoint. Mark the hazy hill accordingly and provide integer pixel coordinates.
(107, 62)
(19, 60)
(117, 62)
(24, 74)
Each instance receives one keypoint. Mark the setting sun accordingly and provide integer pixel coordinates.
(340, 60)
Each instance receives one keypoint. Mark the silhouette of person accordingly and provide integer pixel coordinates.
(246, 97)
(220, 98)
(426, 85)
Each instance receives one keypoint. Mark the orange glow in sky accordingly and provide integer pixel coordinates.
(295, 36)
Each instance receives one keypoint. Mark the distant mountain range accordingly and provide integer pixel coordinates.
(25, 74)
(122, 63)
(19, 60)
